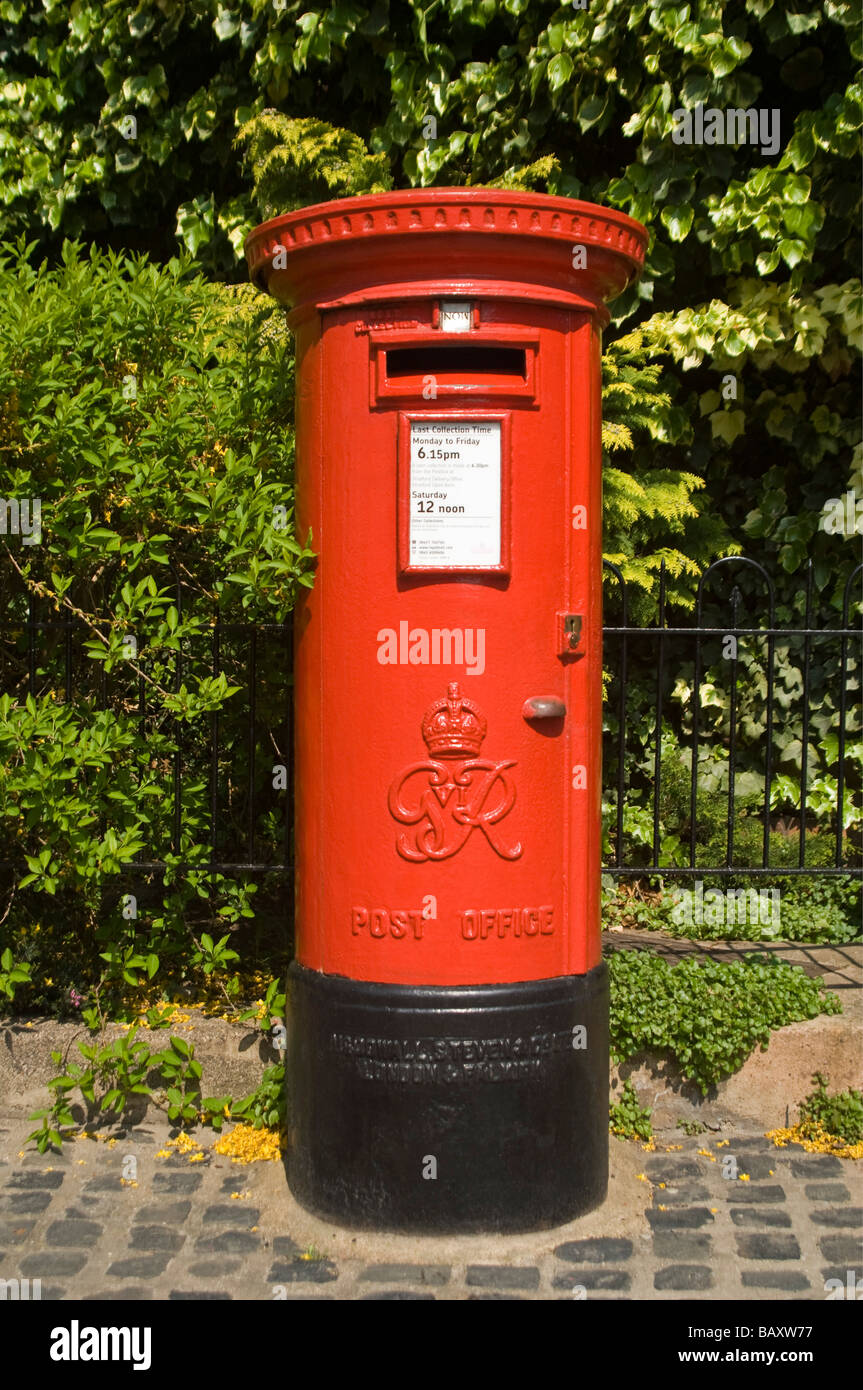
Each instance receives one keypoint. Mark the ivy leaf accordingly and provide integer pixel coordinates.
(591, 111)
(559, 71)
(678, 221)
(195, 222)
(226, 24)
(792, 252)
(727, 425)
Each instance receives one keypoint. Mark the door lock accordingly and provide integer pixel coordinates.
(569, 627)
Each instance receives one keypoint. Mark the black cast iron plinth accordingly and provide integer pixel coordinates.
(448, 1109)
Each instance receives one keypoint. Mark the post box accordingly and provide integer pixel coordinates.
(447, 1052)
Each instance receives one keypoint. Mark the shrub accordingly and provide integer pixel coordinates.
(707, 1015)
(150, 413)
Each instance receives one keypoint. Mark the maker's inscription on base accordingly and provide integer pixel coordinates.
(454, 1060)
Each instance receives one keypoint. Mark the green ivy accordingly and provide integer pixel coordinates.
(120, 126)
(708, 1016)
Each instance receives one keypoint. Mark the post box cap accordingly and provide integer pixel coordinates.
(452, 241)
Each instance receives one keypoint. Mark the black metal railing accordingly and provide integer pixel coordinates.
(620, 637)
(643, 661)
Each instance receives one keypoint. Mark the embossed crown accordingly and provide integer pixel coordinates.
(454, 727)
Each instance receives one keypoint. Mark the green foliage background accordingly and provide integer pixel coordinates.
(149, 410)
(753, 266)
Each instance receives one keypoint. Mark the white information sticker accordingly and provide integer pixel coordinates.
(455, 493)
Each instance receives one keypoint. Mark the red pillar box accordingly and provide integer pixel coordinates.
(447, 1055)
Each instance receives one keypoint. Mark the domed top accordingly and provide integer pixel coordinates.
(458, 241)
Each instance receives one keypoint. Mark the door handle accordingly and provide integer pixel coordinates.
(543, 707)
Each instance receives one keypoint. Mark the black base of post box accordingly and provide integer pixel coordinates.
(448, 1109)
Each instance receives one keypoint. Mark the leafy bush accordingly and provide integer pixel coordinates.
(149, 412)
(708, 1016)
(820, 916)
(294, 163)
(840, 1114)
(817, 911)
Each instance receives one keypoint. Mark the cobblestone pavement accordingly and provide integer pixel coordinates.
(674, 1227)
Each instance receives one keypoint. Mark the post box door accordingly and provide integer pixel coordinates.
(450, 791)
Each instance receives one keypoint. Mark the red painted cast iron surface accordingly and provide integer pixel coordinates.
(443, 837)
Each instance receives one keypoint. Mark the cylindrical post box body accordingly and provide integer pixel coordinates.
(447, 1052)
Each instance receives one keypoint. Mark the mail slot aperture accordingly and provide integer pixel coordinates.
(457, 363)
(420, 368)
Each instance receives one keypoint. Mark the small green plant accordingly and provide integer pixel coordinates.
(708, 1015)
(114, 1072)
(12, 973)
(118, 1070)
(181, 1074)
(265, 1107)
(271, 1009)
(840, 1114)
(627, 1118)
(691, 1127)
